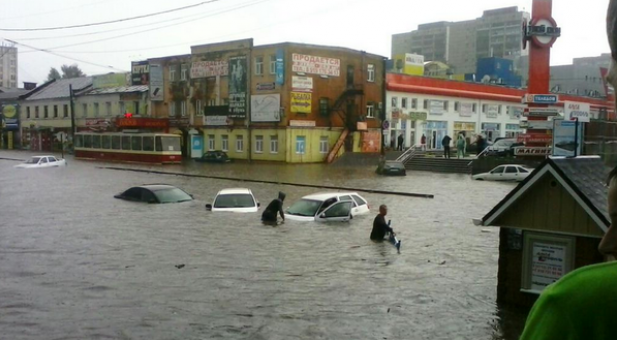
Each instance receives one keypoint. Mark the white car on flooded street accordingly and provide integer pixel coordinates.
(42, 162)
(239, 200)
(328, 207)
(508, 172)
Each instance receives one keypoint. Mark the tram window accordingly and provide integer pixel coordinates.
(106, 142)
(96, 142)
(87, 141)
(79, 141)
(116, 142)
(126, 142)
(136, 143)
(159, 144)
(171, 144)
(148, 143)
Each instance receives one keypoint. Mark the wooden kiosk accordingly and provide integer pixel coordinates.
(551, 224)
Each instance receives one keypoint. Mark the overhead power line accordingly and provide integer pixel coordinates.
(63, 56)
(108, 22)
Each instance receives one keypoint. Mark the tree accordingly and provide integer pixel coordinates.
(53, 74)
(72, 71)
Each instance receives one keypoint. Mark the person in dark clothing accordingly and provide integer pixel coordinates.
(401, 139)
(446, 146)
(380, 227)
(275, 207)
(481, 143)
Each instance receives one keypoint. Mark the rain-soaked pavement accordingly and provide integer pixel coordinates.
(75, 263)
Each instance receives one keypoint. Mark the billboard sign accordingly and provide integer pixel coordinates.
(436, 107)
(302, 63)
(465, 110)
(515, 112)
(410, 64)
(140, 73)
(266, 108)
(535, 138)
(492, 111)
(536, 124)
(280, 67)
(301, 84)
(217, 121)
(206, 69)
(237, 87)
(532, 151)
(541, 99)
(580, 111)
(564, 138)
(10, 117)
(301, 102)
(110, 80)
(540, 112)
(156, 83)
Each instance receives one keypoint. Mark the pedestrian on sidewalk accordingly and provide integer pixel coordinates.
(461, 144)
(401, 140)
(423, 142)
(445, 142)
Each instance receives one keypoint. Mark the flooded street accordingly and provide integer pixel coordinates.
(76, 263)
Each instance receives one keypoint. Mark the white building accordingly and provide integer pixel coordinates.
(8, 67)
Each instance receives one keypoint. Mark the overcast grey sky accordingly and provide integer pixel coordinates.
(358, 24)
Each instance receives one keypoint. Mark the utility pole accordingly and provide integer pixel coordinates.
(72, 113)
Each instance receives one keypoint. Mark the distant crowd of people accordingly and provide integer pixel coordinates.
(447, 143)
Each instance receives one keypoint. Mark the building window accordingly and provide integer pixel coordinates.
(108, 108)
(425, 104)
(446, 105)
(122, 108)
(370, 111)
(414, 103)
(259, 144)
(370, 73)
(499, 109)
(55, 111)
(211, 144)
(36, 112)
(225, 143)
(484, 107)
(457, 106)
(96, 109)
(259, 66)
(272, 64)
(199, 108)
(300, 145)
(136, 108)
(84, 110)
(172, 73)
(239, 143)
(183, 108)
(172, 109)
(28, 112)
(404, 103)
(274, 144)
(184, 72)
(66, 111)
(46, 111)
(474, 108)
(324, 146)
(394, 102)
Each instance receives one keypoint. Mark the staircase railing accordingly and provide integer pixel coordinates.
(483, 153)
(408, 154)
(337, 147)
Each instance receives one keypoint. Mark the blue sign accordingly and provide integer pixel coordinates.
(565, 136)
(280, 67)
(542, 98)
(197, 146)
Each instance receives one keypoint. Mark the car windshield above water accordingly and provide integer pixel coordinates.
(34, 160)
(172, 195)
(304, 207)
(234, 201)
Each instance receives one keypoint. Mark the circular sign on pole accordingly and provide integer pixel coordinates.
(549, 24)
(386, 125)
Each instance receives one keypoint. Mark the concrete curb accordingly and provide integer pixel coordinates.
(383, 192)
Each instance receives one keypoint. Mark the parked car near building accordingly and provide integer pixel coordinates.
(214, 157)
(507, 172)
(42, 162)
(326, 207)
(234, 200)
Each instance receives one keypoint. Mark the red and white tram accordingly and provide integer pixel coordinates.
(129, 147)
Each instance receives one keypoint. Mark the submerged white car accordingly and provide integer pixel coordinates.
(234, 200)
(325, 207)
(42, 162)
(508, 172)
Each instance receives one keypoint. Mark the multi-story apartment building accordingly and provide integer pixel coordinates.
(8, 67)
(498, 33)
(584, 77)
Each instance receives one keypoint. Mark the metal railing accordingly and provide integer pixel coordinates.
(408, 154)
(483, 153)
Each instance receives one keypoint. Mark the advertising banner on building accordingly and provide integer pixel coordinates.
(280, 67)
(548, 264)
(237, 87)
(156, 83)
(535, 138)
(371, 141)
(309, 64)
(301, 102)
(110, 80)
(436, 107)
(217, 120)
(140, 73)
(465, 110)
(206, 69)
(492, 111)
(9, 117)
(301, 84)
(580, 111)
(266, 108)
(564, 138)
(410, 64)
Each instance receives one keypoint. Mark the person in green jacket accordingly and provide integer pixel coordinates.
(461, 145)
(581, 305)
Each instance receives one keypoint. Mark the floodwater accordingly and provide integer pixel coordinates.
(75, 263)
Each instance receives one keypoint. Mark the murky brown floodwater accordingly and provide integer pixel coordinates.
(75, 263)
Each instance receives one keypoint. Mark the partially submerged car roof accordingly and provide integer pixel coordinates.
(156, 187)
(322, 196)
